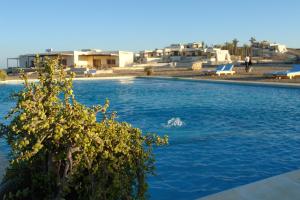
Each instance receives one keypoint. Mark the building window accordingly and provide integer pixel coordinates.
(111, 61)
(63, 62)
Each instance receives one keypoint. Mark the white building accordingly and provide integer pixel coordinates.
(173, 50)
(218, 55)
(90, 58)
(188, 52)
(278, 48)
(148, 56)
(192, 49)
(267, 49)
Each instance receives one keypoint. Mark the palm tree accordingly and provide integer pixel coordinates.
(230, 48)
(218, 46)
(203, 44)
(235, 43)
(226, 46)
(247, 49)
(252, 40)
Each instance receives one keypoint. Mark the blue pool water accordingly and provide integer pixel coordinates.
(221, 135)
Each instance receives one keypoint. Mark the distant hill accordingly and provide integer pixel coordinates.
(294, 52)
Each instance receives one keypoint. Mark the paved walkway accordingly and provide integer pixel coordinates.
(282, 187)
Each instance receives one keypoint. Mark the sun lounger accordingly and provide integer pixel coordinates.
(221, 69)
(211, 72)
(90, 72)
(79, 70)
(295, 71)
(228, 69)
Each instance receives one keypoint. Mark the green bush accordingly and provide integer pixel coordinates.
(149, 71)
(3, 75)
(60, 150)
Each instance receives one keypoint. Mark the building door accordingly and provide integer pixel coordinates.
(97, 63)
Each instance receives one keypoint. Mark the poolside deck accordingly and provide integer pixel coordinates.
(256, 75)
(281, 187)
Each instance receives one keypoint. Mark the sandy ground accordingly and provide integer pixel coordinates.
(257, 74)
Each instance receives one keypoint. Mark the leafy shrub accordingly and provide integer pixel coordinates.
(59, 150)
(149, 71)
(3, 75)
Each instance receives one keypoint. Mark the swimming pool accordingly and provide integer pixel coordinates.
(221, 135)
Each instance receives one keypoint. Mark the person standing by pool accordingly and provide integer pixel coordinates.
(250, 64)
(247, 60)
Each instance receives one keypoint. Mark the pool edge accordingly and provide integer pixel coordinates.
(258, 83)
(18, 81)
(283, 186)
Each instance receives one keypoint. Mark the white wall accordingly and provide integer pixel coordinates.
(149, 60)
(223, 55)
(281, 48)
(70, 61)
(125, 59)
(76, 58)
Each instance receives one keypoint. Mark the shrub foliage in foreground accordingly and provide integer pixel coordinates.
(3, 75)
(59, 150)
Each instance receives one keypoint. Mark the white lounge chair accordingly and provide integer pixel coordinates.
(228, 69)
(295, 71)
(90, 72)
(79, 70)
(211, 72)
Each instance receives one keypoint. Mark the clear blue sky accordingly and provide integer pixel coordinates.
(28, 26)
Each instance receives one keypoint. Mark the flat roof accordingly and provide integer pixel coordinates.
(71, 53)
(53, 53)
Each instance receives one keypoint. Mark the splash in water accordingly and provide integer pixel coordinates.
(126, 81)
(174, 122)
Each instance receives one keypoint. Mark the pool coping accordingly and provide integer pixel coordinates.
(258, 83)
(19, 81)
(283, 186)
